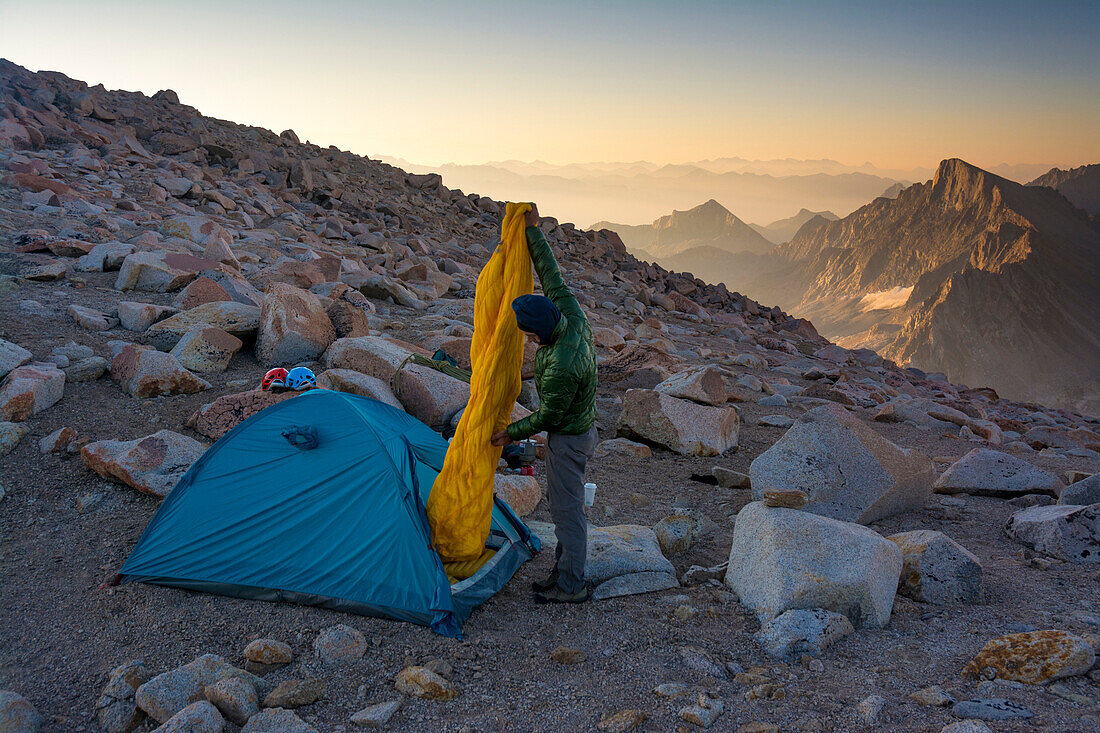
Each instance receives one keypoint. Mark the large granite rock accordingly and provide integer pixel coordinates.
(625, 560)
(143, 372)
(1083, 492)
(30, 389)
(215, 419)
(1034, 657)
(135, 316)
(353, 382)
(426, 393)
(116, 711)
(11, 356)
(237, 319)
(522, 493)
(160, 272)
(848, 471)
(167, 694)
(784, 559)
(17, 715)
(622, 560)
(936, 569)
(206, 350)
(1066, 531)
(681, 426)
(198, 717)
(294, 327)
(698, 384)
(985, 472)
(152, 465)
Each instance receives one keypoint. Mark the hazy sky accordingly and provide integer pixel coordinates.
(898, 84)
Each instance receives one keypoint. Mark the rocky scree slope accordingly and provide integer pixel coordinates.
(154, 262)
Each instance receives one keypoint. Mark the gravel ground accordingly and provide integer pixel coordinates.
(62, 633)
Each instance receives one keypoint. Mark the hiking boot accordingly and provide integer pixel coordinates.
(557, 595)
(541, 586)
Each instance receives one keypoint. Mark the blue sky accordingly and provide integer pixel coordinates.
(899, 84)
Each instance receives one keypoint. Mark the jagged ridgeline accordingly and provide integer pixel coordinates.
(971, 274)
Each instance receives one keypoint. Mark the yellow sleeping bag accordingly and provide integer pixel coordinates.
(461, 503)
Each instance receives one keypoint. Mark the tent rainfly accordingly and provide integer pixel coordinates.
(320, 500)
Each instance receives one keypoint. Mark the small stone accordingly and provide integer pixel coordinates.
(991, 709)
(424, 683)
(376, 716)
(870, 707)
(697, 659)
(565, 655)
(340, 644)
(57, 441)
(10, 435)
(268, 651)
(295, 693)
(966, 726)
(674, 534)
(985, 472)
(759, 727)
(797, 632)
(933, 696)
(671, 689)
(703, 713)
(728, 479)
(622, 447)
(786, 498)
(622, 721)
(87, 370)
(1067, 532)
(89, 318)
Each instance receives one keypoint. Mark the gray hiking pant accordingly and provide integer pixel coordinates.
(566, 457)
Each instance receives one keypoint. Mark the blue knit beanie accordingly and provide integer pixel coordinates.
(536, 314)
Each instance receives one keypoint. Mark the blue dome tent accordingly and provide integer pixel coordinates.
(320, 500)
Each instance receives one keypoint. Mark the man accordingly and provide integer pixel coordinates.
(565, 377)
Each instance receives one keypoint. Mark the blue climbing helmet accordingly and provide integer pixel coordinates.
(301, 378)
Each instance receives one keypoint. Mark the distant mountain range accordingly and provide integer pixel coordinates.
(988, 280)
(1080, 185)
(640, 191)
(706, 225)
(779, 232)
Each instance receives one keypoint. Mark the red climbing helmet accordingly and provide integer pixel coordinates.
(274, 378)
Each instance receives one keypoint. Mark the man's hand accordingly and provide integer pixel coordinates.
(500, 438)
(532, 216)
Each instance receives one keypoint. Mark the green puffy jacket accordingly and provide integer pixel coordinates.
(565, 368)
